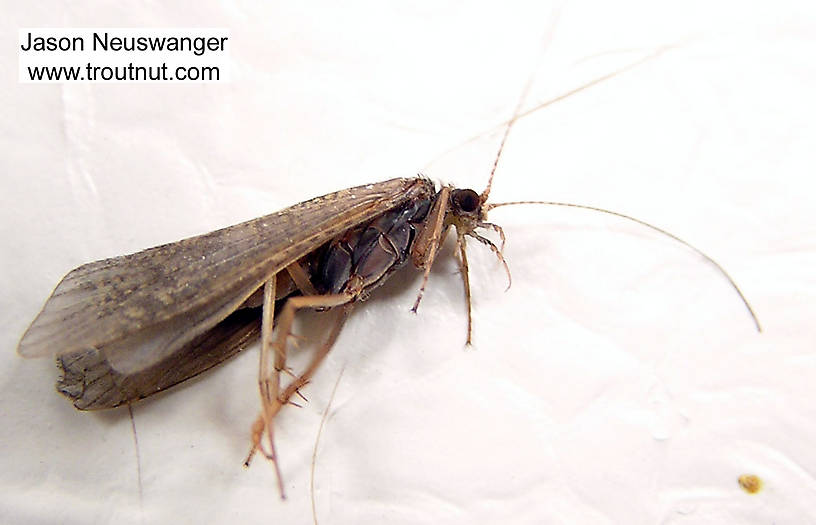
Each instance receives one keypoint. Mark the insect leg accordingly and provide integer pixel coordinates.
(268, 386)
(496, 228)
(273, 399)
(495, 250)
(463, 266)
(425, 247)
(301, 278)
(286, 320)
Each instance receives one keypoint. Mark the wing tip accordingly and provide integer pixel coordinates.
(27, 348)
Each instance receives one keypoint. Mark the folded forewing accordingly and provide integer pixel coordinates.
(162, 297)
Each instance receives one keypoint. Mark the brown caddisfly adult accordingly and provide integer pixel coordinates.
(127, 327)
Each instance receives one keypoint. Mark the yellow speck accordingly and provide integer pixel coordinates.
(750, 482)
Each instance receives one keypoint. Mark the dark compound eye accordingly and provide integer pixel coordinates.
(466, 200)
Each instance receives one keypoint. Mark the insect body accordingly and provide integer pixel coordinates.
(127, 327)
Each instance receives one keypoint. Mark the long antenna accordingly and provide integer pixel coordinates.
(517, 110)
(483, 197)
(652, 227)
(508, 123)
(592, 83)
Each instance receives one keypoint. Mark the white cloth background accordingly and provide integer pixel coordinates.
(619, 380)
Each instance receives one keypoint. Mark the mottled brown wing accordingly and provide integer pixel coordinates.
(141, 307)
